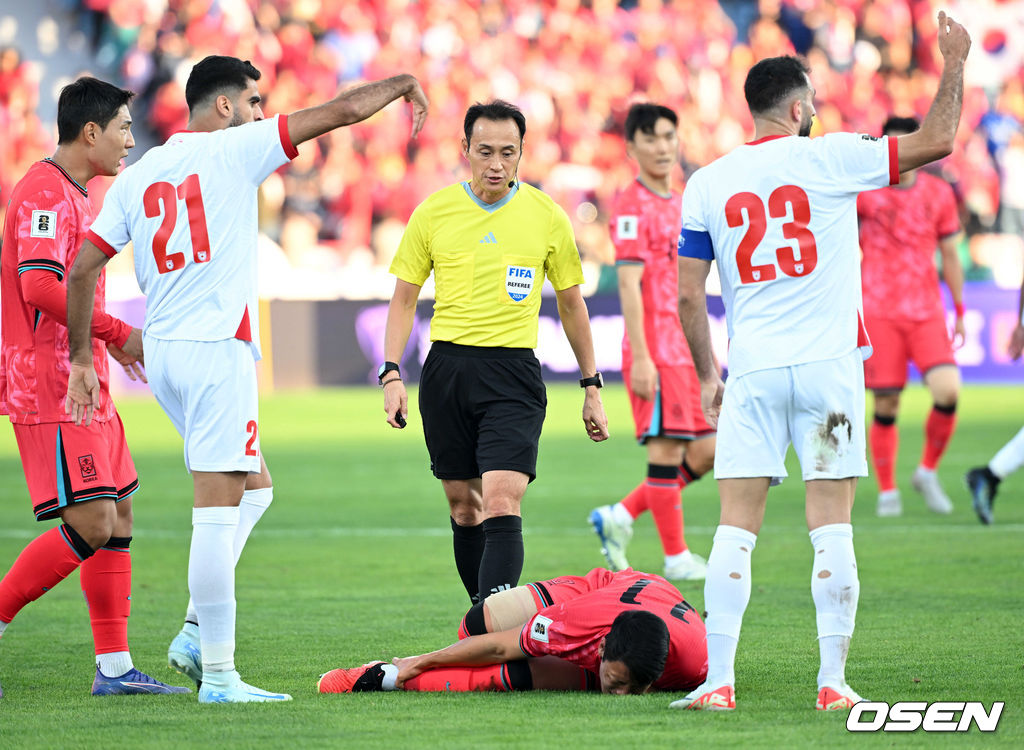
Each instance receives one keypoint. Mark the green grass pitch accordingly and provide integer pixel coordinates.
(353, 562)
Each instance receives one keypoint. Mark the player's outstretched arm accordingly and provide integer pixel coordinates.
(934, 140)
(83, 385)
(572, 310)
(474, 651)
(356, 104)
(401, 314)
(693, 315)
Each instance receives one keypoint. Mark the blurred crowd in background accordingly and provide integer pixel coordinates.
(335, 214)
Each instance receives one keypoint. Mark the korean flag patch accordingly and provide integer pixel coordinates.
(539, 629)
(44, 224)
(626, 228)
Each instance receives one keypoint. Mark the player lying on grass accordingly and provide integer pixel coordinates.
(623, 633)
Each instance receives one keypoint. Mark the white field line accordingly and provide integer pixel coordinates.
(268, 531)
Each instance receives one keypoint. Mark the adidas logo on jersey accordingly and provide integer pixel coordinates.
(489, 239)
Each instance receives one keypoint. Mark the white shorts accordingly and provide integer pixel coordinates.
(208, 389)
(817, 406)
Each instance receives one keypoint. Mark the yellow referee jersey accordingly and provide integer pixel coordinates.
(489, 262)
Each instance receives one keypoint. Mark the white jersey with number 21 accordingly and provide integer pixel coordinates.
(781, 213)
(190, 209)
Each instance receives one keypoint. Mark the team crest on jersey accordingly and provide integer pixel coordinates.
(87, 465)
(625, 227)
(539, 629)
(44, 224)
(519, 282)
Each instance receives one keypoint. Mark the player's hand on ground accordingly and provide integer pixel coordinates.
(954, 41)
(594, 418)
(711, 394)
(643, 378)
(420, 105)
(408, 667)
(396, 401)
(1016, 345)
(959, 333)
(83, 394)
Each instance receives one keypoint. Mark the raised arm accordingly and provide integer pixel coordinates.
(83, 385)
(356, 104)
(934, 140)
(572, 310)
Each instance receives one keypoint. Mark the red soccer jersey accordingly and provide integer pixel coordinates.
(47, 218)
(900, 229)
(573, 629)
(645, 230)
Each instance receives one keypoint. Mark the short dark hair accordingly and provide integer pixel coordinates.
(87, 100)
(639, 639)
(497, 110)
(900, 125)
(772, 80)
(643, 117)
(215, 75)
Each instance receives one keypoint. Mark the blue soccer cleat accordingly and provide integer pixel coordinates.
(184, 654)
(227, 687)
(132, 682)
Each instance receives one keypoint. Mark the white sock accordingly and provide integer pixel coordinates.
(726, 595)
(114, 664)
(250, 510)
(671, 560)
(835, 590)
(1009, 458)
(621, 515)
(211, 581)
(390, 676)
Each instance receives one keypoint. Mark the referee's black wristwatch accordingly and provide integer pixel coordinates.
(597, 380)
(384, 369)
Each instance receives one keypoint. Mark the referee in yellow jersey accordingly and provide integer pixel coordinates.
(490, 242)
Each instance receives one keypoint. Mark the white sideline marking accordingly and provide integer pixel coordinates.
(30, 532)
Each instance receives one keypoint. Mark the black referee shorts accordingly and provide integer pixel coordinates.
(482, 410)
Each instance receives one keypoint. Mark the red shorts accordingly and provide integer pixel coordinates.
(896, 342)
(675, 411)
(557, 590)
(66, 464)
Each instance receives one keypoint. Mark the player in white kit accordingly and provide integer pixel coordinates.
(778, 215)
(190, 209)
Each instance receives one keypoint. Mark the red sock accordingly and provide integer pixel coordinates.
(46, 561)
(937, 432)
(663, 494)
(107, 585)
(492, 678)
(635, 502)
(884, 439)
(686, 475)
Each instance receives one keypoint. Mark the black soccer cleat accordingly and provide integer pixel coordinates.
(983, 485)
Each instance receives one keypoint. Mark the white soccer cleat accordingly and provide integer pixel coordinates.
(889, 504)
(927, 483)
(614, 536)
(227, 687)
(836, 698)
(184, 654)
(708, 698)
(689, 567)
